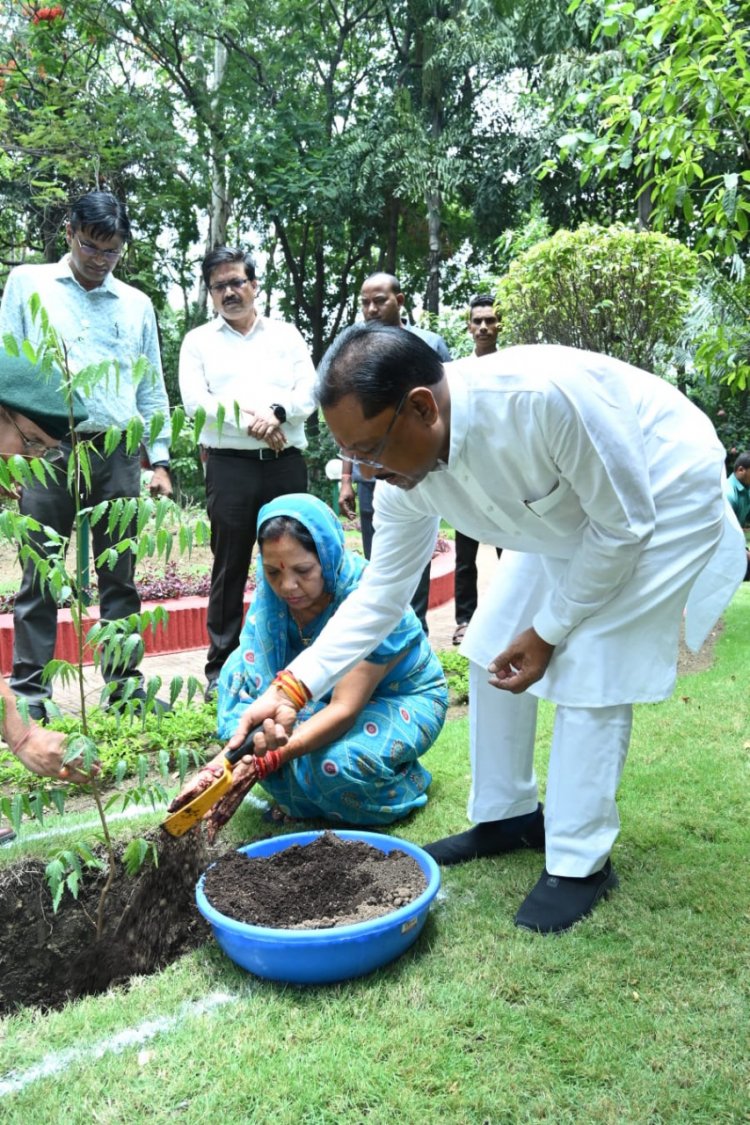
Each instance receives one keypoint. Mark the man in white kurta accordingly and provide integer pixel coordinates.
(604, 484)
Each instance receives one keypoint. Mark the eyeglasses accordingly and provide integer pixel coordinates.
(91, 251)
(378, 302)
(369, 460)
(33, 447)
(234, 283)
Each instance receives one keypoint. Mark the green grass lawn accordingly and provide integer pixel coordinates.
(640, 1014)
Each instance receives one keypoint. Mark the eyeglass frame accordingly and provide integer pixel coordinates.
(91, 251)
(355, 460)
(52, 454)
(233, 283)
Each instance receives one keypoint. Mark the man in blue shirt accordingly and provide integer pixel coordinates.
(738, 495)
(100, 320)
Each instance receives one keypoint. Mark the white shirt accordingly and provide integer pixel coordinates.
(220, 367)
(605, 485)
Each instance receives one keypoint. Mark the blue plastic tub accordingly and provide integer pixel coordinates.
(326, 955)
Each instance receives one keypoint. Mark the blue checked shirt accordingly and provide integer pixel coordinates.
(113, 322)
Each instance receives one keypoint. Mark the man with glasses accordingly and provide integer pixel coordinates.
(100, 320)
(33, 419)
(381, 300)
(254, 380)
(605, 483)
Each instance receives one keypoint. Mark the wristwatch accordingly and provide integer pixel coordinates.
(160, 464)
(279, 411)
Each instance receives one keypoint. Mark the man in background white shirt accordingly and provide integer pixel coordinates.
(254, 379)
(605, 483)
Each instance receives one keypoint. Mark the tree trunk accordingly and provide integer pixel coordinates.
(645, 207)
(432, 291)
(218, 218)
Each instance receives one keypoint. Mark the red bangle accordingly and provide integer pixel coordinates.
(268, 763)
(293, 689)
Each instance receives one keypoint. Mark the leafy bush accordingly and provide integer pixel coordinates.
(192, 728)
(615, 290)
(456, 669)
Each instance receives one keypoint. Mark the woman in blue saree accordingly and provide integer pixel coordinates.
(353, 756)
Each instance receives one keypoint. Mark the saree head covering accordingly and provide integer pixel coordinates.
(266, 642)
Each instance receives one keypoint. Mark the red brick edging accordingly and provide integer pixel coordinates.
(186, 624)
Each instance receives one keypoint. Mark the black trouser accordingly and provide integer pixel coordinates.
(420, 601)
(35, 612)
(465, 587)
(237, 487)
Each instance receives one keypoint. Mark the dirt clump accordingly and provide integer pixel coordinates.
(150, 919)
(330, 882)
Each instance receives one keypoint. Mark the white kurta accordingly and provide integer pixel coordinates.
(604, 485)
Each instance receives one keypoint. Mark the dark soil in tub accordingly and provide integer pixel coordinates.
(330, 882)
(150, 920)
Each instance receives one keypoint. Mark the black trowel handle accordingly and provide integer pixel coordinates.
(233, 756)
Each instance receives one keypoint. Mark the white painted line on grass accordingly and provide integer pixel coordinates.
(127, 814)
(58, 1061)
(132, 811)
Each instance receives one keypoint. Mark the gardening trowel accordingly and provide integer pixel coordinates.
(179, 822)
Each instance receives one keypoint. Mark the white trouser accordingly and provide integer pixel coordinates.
(589, 746)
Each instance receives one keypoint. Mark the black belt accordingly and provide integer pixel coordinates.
(255, 454)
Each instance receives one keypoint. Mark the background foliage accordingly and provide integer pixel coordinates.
(434, 139)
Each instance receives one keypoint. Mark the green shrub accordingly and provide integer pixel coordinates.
(614, 290)
(456, 669)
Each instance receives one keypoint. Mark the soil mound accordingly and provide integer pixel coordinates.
(150, 919)
(330, 882)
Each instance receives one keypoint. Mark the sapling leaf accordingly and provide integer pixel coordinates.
(16, 812)
(152, 687)
(112, 439)
(84, 463)
(57, 670)
(37, 468)
(163, 761)
(193, 687)
(142, 767)
(10, 344)
(121, 770)
(198, 423)
(97, 512)
(54, 873)
(175, 687)
(134, 855)
(73, 883)
(80, 746)
(57, 796)
(133, 435)
(36, 803)
(88, 856)
(156, 427)
(178, 421)
(183, 764)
